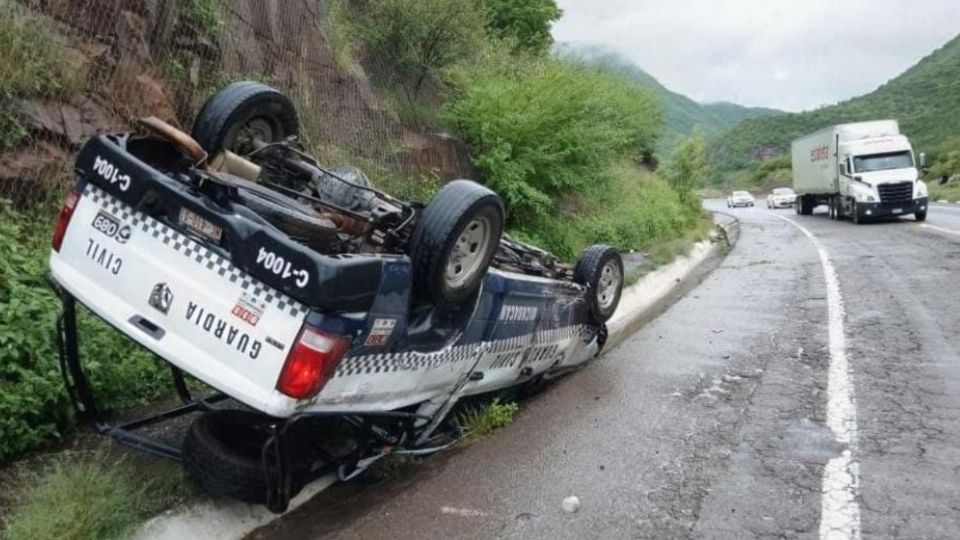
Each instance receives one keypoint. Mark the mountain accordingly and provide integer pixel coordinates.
(925, 99)
(681, 114)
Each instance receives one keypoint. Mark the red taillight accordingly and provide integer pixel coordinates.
(311, 362)
(63, 218)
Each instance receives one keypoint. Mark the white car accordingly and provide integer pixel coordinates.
(781, 198)
(740, 198)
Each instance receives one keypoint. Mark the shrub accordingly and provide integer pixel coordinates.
(33, 405)
(947, 162)
(540, 128)
(688, 168)
(479, 422)
(632, 209)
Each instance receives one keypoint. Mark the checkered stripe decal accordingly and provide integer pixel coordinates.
(413, 361)
(192, 250)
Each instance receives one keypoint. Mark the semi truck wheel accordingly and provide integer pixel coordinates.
(856, 213)
(920, 216)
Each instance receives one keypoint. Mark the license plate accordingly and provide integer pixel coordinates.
(199, 225)
(897, 210)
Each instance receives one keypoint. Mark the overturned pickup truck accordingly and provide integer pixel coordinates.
(337, 324)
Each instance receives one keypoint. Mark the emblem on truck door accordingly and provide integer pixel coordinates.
(161, 297)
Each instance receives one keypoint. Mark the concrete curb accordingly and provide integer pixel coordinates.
(640, 303)
(656, 291)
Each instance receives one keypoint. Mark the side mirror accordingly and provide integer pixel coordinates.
(923, 160)
(843, 169)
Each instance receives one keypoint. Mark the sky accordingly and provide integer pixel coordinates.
(787, 54)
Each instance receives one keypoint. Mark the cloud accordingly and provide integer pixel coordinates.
(776, 53)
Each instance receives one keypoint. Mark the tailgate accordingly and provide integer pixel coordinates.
(183, 301)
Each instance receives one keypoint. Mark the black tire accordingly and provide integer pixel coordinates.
(590, 271)
(243, 110)
(806, 206)
(856, 214)
(442, 224)
(222, 454)
(832, 209)
(920, 216)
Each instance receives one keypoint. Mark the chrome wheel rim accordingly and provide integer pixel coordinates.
(609, 285)
(468, 252)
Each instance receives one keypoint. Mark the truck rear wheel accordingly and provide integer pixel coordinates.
(454, 241)
(242, 113)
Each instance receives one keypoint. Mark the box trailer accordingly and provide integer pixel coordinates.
(862, 171)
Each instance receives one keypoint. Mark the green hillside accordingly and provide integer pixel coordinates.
(681, 114)
(925, 99)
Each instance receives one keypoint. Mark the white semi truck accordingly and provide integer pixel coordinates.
(862, 171)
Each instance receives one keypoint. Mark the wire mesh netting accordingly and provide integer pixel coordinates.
(72, 68)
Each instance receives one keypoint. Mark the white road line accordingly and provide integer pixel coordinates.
(839, 509)
(941, 229)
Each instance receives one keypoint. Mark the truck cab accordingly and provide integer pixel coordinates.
(880, 177)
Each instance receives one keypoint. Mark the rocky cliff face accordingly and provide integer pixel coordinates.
(150, 57)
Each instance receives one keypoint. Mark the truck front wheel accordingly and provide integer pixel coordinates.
(920, 216)
(856, 213)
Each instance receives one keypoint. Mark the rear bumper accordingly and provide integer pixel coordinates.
(782, 204)
(884, 209)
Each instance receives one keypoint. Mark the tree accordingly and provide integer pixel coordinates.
(525, 21)
(419, 39)
(689, 168)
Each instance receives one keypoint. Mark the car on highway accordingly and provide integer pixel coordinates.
(740, 198)
(781, 198)
(343, 323)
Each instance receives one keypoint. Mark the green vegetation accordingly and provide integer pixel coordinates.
(547, 127)
(556, 139)
(33, 406)
(681, 114)
(665, 251)
(32, 64)
(762, 176)
(416, 40)
(688, 168)
(947, 163)
(525, 22)
(84, 500)
(205, 14)
(925, 99)
(480, 422)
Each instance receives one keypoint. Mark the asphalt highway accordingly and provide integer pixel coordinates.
(808, 388)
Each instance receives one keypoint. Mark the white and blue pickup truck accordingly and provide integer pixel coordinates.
(336, 323)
